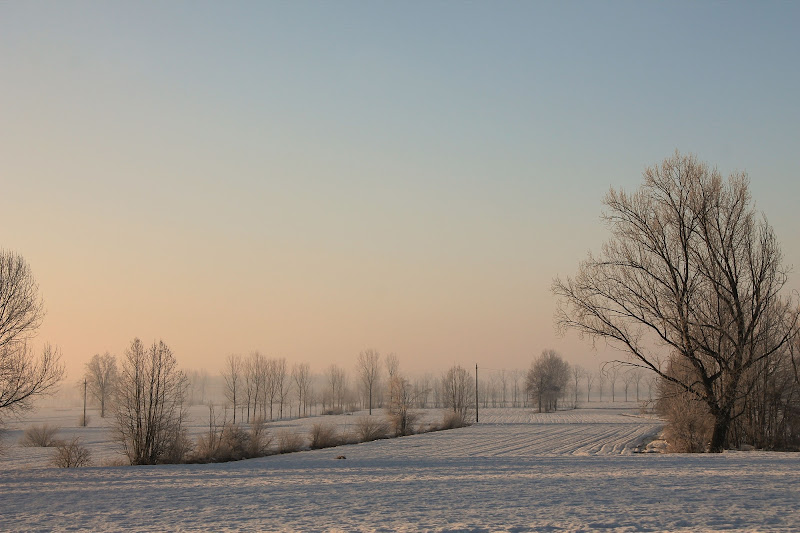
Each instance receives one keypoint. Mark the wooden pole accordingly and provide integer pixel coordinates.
(476, 393)
(84, 403)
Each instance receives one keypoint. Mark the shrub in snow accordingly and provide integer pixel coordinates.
(177, 447)
(71, 454)
(369, 428)
(403, 423)
(115, 461)
(453, 420)
(43, 436)
(232, 443)
(289, 441)
(689, 422)
(323, 436)
(259, 443)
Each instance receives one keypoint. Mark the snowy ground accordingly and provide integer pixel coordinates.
(515, 471)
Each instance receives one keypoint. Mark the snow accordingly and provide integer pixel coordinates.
(515, 471)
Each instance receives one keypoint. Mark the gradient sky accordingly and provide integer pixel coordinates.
(310, 179)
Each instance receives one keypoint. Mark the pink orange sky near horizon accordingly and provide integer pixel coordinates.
(311, 180)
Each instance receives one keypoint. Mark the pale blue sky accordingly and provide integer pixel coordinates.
(310, 179)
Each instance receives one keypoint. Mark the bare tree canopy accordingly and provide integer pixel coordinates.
(369, 368)
(547, 379)
(21, 307)
(232, 374)
(150, 409)
(101, 377)
(691, 271)
(458, 391)
(23, 376)
(301, 374)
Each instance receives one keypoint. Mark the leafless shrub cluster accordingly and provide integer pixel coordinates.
(232, 442)
(71, 454)
(369, 428)
(402, 424)
(453, 420)
(289, 441)
(323, 436)
(689, 423)
(114, 462)
(43, 435)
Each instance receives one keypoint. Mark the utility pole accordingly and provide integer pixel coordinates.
(476, 393)
(84, 402)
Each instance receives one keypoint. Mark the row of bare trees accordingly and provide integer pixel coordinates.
(255, 384)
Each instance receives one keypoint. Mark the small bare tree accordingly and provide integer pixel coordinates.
(611, 373)
(23, 376)
(232, 373)
(601, 381)
(101, 378)
(503, 378)
(576, 373)
(637, 374)
(72, 454)
(547, 379)
(392, 368)
(400, 409)
(150, 405)
(458, 389)
(301, 374)
(627, 380)
(283, 383)
(590, 379)
(516, 377)
(337, 380)
(369, 366)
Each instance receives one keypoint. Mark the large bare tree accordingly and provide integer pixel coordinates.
(23, 376)
(691, 271)
(101, 378)
(150, 405)
(369, 367)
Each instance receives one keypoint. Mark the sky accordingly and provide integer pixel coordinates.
(311, 179)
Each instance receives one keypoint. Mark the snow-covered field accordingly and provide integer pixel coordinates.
(515, 471)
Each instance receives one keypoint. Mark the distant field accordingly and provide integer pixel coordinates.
(515, 471)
